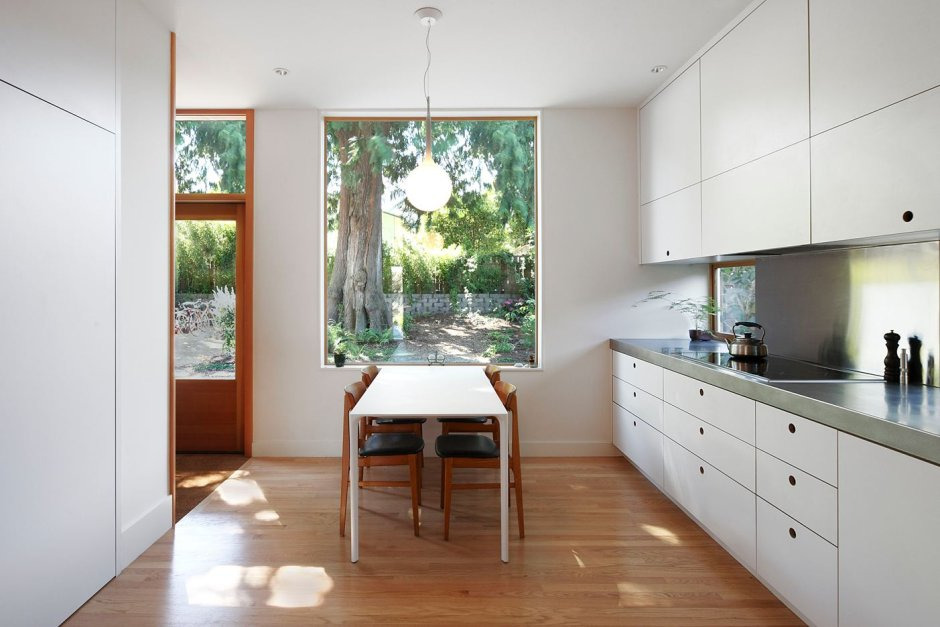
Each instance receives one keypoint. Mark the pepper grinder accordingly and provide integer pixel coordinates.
(915, 367)
(904, 375)
(892, 361)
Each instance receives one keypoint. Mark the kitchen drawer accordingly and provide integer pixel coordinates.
(722, 506)
(809, 500)
(726, 410)
(639, 403)
(641, 443)
(808, 445)
(725, 452)
(798, 565)
(638, 373)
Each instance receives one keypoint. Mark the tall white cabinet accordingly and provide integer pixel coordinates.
(57, 380)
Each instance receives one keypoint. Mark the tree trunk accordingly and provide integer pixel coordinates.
(354, 294)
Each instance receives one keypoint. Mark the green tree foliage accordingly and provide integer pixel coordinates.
(207, 150)
(205, 255)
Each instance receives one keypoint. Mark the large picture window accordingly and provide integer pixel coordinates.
(457, 285)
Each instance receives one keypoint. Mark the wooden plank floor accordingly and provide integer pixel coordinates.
(603, 546)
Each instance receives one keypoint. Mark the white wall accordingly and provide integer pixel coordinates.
(590, 277)
(144, 504)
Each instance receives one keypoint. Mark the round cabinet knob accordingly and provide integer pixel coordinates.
(792, 480)
(701, 430)
(791, 428)
(701, 469)
(907, 216)
(701, 392)
(792, 532)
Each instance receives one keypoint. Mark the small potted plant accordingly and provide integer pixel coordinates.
(339, 355)
(698, 309)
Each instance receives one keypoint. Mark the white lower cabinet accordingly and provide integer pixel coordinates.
(720, 504)
(641, 443)
(889, 537)
(801, 566)
(730, 455)
(804, 497)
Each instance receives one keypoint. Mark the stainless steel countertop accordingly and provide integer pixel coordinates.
(906, 420)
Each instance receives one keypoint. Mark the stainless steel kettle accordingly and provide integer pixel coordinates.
(743, 345)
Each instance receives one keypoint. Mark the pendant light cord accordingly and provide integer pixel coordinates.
(427, 96)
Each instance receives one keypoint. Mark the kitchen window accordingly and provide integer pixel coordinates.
(734, 290)
(456, 285)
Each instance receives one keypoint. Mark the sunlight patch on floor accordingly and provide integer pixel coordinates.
(201, 481)
(577, 558)
(662, 534)
(246, 586)
(267, 515)
(240, 492)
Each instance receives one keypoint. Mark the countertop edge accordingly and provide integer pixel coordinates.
(898, 437)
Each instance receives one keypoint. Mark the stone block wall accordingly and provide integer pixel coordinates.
(418, 305)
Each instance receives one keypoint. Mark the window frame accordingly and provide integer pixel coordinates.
(418, 116)
(713, 269)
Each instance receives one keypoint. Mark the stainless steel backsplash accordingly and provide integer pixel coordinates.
(834, 307)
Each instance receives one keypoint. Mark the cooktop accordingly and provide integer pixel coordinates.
(775, 368)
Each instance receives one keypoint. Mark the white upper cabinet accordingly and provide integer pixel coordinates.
(878, 174)
(755, 87)
(867, 54)
(761, 205)
(670, 158)
(63, 52)
(671, 227)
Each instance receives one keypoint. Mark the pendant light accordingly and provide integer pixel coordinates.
(428, 186)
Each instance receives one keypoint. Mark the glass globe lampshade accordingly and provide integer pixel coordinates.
(428, 186)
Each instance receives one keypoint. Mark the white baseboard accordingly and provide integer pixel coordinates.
(330, 448)
(137, 536)
(296, 448)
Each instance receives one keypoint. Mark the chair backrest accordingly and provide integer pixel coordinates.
(369, 373)
(354, 392)
(492, 373)
(507, 396)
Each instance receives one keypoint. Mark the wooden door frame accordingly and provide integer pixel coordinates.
(213, 206)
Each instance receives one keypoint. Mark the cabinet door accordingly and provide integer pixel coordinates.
(57, 377)
(642, 444)
(638, 373)
(732, 456)
(878, 175)
(63, 52)
(670, 158)
(889, 547)
(755, 87)
(726, 410)
(798, 564)
(639, 403)
(729, 513)
(868, 55)
(808, 445)
(761, 205)
(671, 227)
(684, 478)
(804, 497)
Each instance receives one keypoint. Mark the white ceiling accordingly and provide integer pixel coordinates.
(369, 54)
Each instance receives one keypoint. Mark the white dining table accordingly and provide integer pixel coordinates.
(430, 392)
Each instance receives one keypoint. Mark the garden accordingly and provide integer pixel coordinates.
(453, 285)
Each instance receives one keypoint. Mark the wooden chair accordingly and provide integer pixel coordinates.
(386, 425)
(478, 451)
(381, 449)
(475, 424)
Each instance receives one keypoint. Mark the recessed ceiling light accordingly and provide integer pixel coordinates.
(658, 69)
(281, 71)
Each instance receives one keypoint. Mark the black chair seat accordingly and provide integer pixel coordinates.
(463, 445)
(475, 420)
(399, 421)
(392, 444)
